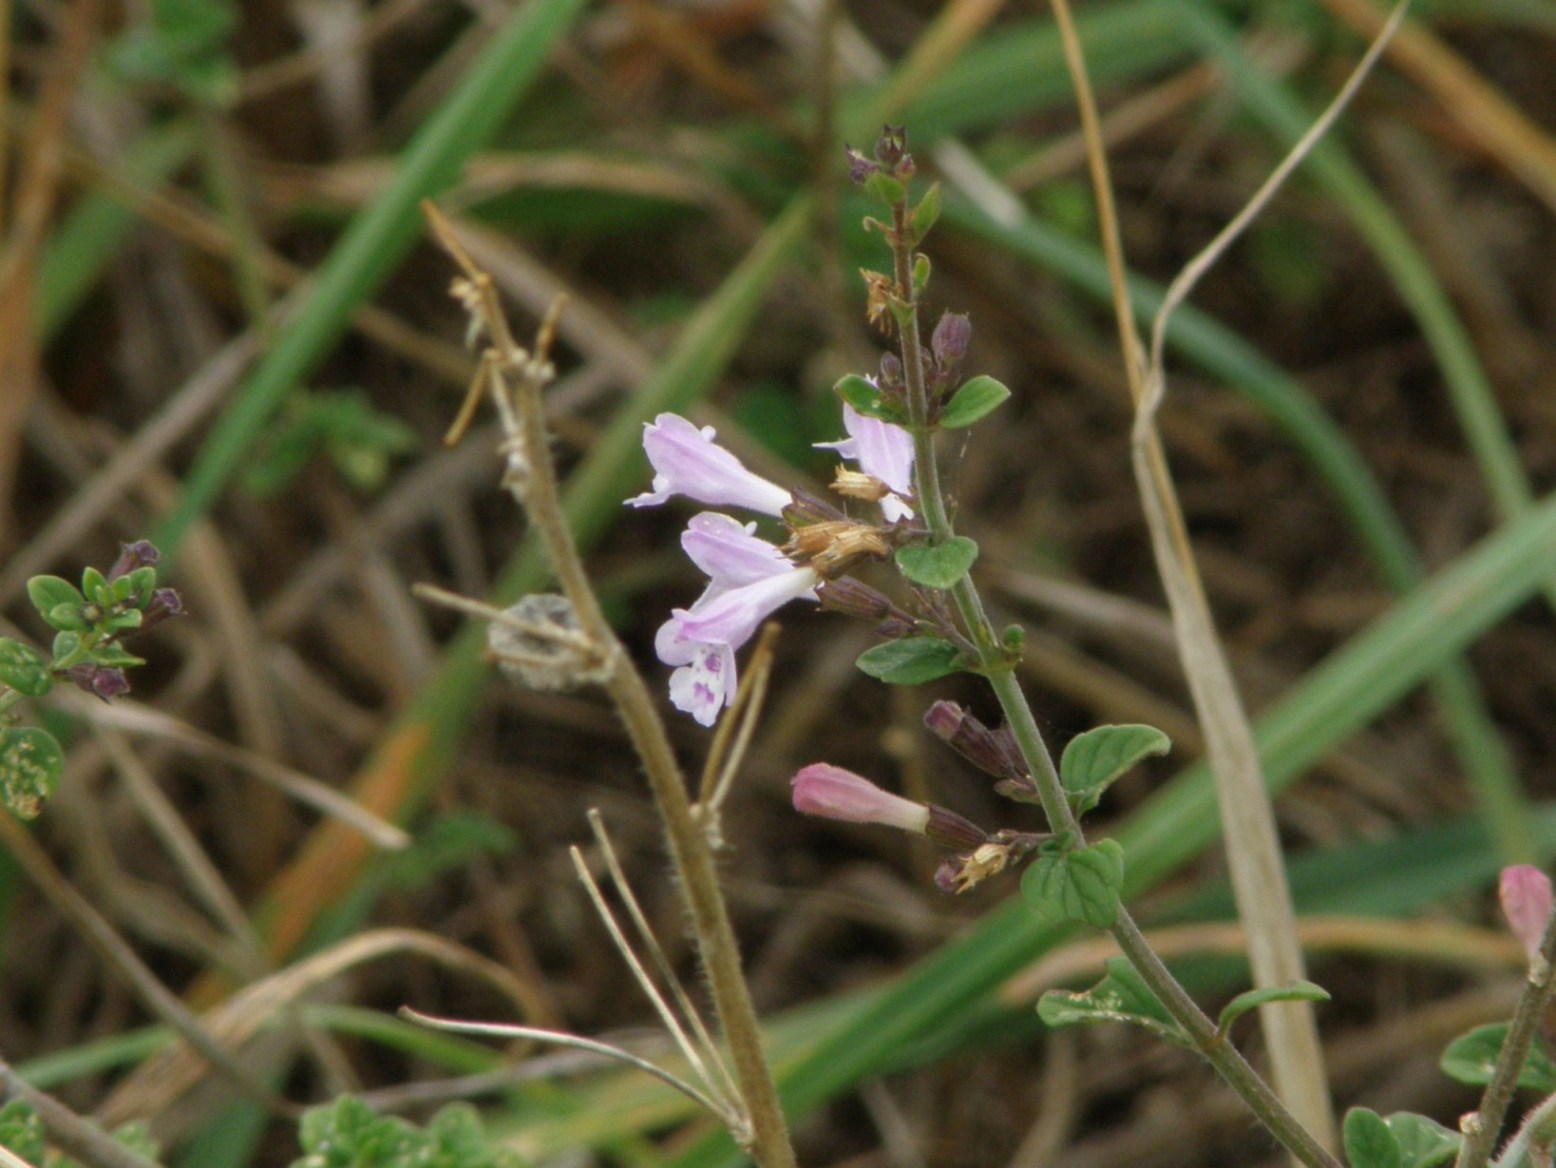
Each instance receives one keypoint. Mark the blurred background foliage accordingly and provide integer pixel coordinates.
(222, 325)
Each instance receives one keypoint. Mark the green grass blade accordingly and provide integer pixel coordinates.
(374, 243)
(1496, 787)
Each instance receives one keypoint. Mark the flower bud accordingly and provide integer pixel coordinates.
(806, 507)
(140, 554)
(859, 167)
(164, 602)
(950, 339)
(834, 793)
(107, 682)
(891, 372)
(891, 147)
(855, 598)
(1525, 893)
(988, 750)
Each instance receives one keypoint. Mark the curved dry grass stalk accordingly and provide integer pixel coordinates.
(1248, 818)
(575, 1042)
(143, 721)
(156, 1087)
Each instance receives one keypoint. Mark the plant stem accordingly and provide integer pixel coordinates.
(1483, 1126)
(533, 482)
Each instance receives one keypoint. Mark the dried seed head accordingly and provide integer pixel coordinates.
(540, 646)
(832, 548)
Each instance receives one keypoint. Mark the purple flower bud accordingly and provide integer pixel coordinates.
(859, 167)
(164, 602)
(953, 831)
(107, 682)
(891, 372)
(891, 147)
(810, 508)
(140, 554)
(855, 598)
(834, 793)
(986, 749)
(950, 339)
(1525, 892)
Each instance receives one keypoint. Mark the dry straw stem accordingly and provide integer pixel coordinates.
(160, 1082)
(515, 379)
(1253, 847)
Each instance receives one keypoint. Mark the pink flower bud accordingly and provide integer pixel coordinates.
(834, 793)
(1525, 892)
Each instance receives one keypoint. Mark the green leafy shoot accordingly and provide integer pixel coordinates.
(1298, 991)
(1094, 760)
(938, 565)
(1066, 883)
(1121, 996)
(910, 660)
(349, 1134)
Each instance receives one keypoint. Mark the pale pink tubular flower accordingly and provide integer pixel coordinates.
(834, 793)
(882, 451)
(1525, 892)
(688, 462)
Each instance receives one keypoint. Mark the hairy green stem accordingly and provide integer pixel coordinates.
(532, 478)
(1482, 1127)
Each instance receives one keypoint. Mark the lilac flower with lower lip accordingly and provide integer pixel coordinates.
(882, 451)
(688, 462)
(748, 579)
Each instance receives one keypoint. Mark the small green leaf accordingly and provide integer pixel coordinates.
(1093, 760)
(865, 397)
(1423, 1142)
(977, 398)
(30, 765)
(65, 646)
(1297, 991)
(938, 565)
(921, 269)
(136, 587)
(926, 213)
(116, 656)
(68, 618)
(130, 618)
(1121, 996)
(883, 187)
(1078, 884)
(1368, 1141)
(95, 587)
(49, 592)
(24, 669)
(910, 660)
(1472, 1058)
